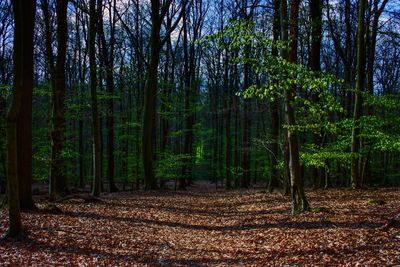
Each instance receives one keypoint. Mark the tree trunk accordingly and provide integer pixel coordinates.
(361, 64)
(169, 80)
(377, 12)
(24, 19)
(81, 74)
(108, 58)
(187, 101)
(24, 122)
(273, 181)
(93, 92)
(245, 182)
(236, 156)
(315, 66)
(149, 108)
(227, 112)
(285, 38)
(59, 186)
(299, 201)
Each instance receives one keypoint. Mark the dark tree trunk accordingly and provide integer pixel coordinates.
(299, 201)
(236, 156)
(24, 122)
(273, 181)
(227, 112)
(24, 19)
(245, 182)
(58, 183)
(285, 38)
(361, 64)
(247, 104)
(371, 46)
(81, 73)
(149, 108)
(108, 58)
(315, 66)
(188, 138)
(96, 189)
(158, 14)
(169, 81)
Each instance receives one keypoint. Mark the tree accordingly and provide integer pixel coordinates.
(6, 29)
(58, 178)
(108, 58)
(315, 65)
(285, 38)
(93, 93)
(273, 181)
(190, 83)
(299, 200)
(371, 40)
(24, 122)
(24, 20)
(361, 64)
(247, 13)
(158, 13)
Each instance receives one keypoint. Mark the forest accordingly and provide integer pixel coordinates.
(199, 132)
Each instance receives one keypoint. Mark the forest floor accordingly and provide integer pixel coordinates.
(204, 227)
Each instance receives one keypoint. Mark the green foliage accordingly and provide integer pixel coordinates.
(170, 165)
(312, 156)
(5, 91)
(41, 154)
(279, 75)
(237, 172)
(43, 91)
(135, 167)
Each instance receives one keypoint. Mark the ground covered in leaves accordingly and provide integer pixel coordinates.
(208, 228)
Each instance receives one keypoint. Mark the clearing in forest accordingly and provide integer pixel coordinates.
(209, 228)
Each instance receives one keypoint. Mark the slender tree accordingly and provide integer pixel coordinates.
(299, 200)
(285, 38)
(361, 64)
(93, 92)
(195, 20)
(372, 34)
(273, 181)
(107, 51)
(247, 10)
(315, 65)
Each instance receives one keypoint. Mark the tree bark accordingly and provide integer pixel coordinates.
(188, 138)
(58, 177)
(247, 104)
(273, 181)
(24, 122)
(315, 66)
(149, 108)
(24, 19)
(227, 112)
(108, 57)
(361, 64)
(158, 13)
(93, 92)
(299, 201)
